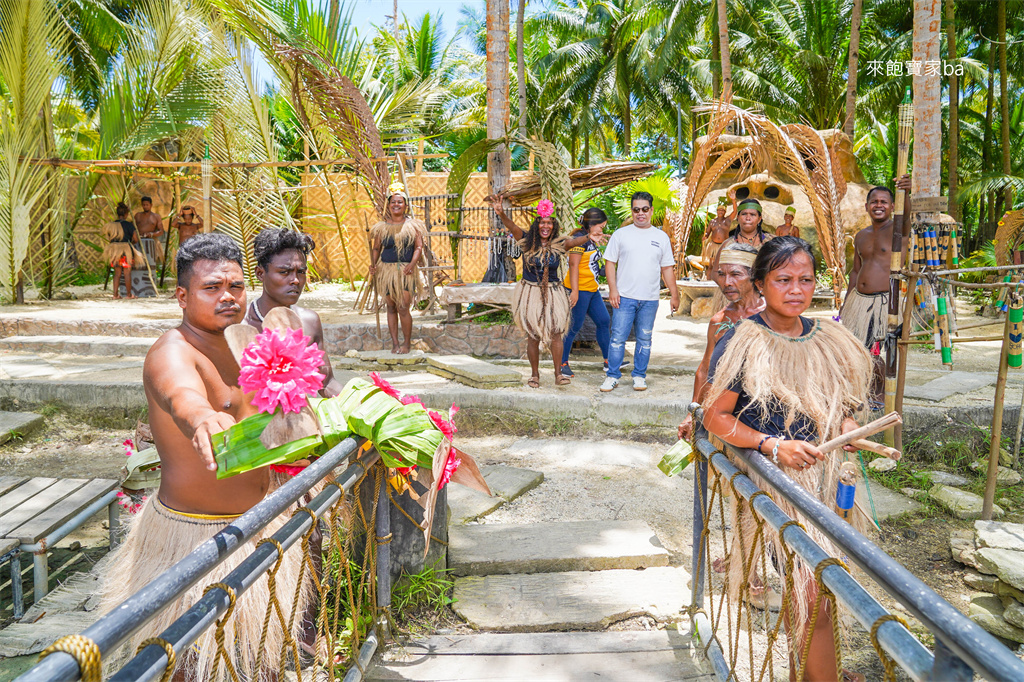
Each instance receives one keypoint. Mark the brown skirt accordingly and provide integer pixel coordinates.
(159, 537)
(392, 282)
(542, 312)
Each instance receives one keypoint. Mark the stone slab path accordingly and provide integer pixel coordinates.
(659, 655)
(18, 424)
(506, 483)
(575, 600)
(493, 549)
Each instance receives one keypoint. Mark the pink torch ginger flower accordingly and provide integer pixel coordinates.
(450, 466)
(545, 208)
(410, 399)
(129, 447)
(286, 469)
(443, 425)
(383, 385)
(282, 367)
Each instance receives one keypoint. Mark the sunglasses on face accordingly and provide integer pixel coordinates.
(641, 209)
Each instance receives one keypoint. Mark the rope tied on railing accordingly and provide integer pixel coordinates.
(85, 651)
(887, 662)
(172, 658)
(222, 652)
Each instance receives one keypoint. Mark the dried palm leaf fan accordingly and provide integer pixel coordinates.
(338, 108)
(799, 150)
(207, 177)
(1009, 236)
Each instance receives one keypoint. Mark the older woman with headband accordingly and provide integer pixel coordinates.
(779, 384)
(397, 248)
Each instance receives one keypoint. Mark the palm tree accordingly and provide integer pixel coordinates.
(498, 167)
(723, 51)
(851, 72)
(33, 46)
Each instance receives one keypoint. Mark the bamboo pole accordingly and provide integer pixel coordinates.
(976, 325)
(878, 448)
(901, 372)
(997, 427)
(86, 164)
(871, 428)
(962, 339)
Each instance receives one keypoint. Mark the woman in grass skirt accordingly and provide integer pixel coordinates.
(540, 304)
(397, 247)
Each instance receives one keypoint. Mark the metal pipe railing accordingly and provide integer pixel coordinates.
(125, 619)
(964, 639)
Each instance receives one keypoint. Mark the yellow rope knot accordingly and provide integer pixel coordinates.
(85, 652)
(887, 662)
(171, 656)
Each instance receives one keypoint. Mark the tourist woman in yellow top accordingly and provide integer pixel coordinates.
(585, 266)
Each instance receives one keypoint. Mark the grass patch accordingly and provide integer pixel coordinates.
(421, 602)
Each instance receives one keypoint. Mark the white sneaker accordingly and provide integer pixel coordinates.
(639, 384)
(609, 384)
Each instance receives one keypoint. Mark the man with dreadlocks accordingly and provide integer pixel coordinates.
(397, 247)
(781, 382)
(866, 308)
(540, 304)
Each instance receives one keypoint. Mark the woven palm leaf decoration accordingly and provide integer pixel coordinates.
(1009, 236)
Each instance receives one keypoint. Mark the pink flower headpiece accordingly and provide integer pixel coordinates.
(282, 367)
(545, 208)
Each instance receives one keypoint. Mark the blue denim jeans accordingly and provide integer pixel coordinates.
(588, 303)
(638, 316)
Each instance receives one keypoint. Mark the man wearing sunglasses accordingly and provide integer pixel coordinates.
(637, 258)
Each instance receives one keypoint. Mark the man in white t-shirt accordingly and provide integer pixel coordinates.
(637, 258)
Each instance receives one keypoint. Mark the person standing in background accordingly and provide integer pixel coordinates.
(585, 266)
(638, 257)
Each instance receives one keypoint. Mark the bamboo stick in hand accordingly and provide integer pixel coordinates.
(870, 429)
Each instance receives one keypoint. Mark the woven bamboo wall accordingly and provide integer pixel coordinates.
(340, 253)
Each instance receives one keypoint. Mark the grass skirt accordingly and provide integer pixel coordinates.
(158, 538)
(115, 251)
(390, 281)
(866, 316)
(541, 312)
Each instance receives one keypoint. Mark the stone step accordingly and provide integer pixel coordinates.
(495, 549)
(18, 424)
(473, 372)
(103, 346)
(626, 656)
(506, 484)
(577, 600)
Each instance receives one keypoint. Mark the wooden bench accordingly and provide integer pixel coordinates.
(36, 513)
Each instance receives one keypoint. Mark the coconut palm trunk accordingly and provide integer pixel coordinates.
(927, 102)
(499, 162)
(723, 46)
(521, 66)
(954, 113)
(851, 79)
(1004, 104)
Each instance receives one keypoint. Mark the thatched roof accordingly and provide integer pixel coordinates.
(527, 190)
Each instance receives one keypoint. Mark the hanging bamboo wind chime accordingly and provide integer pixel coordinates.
(207, 177)
(906, 124)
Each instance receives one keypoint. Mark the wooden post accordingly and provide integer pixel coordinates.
(419, 159)
(997, 427)
(904, 349)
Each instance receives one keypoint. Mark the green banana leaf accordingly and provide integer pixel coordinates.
(676, 459)
(239, 449)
